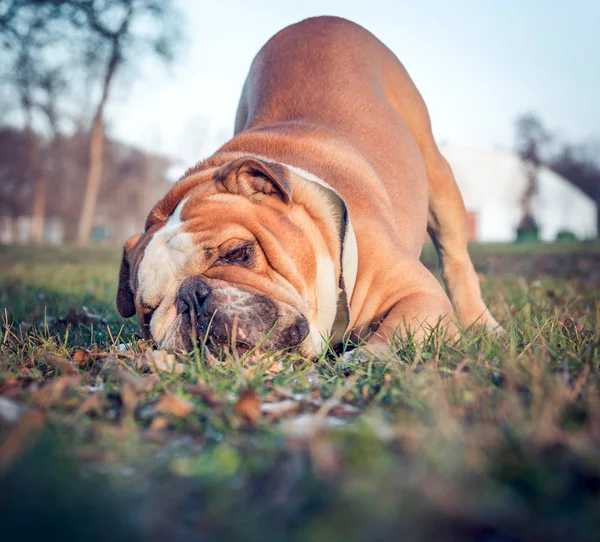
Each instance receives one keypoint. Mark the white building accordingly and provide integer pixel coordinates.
(493, 182)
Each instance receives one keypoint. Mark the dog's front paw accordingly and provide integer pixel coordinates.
(486, 321)
(489, 323)
(362, 355)
(495, 329)
(357, 356)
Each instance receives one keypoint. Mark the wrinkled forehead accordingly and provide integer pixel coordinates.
(189, 188)
(181, 244)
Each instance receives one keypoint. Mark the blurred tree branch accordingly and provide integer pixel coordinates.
(532, 139)
(580, 163)
(113, 24)
(107, 34)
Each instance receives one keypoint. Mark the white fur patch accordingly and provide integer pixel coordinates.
(350, 260)
(162, 269)
(327, 292)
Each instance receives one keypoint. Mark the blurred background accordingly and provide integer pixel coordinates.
(105, 103)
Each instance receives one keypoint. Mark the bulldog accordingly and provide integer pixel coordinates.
(305, 229)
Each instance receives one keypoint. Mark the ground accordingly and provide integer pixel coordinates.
(494, 438)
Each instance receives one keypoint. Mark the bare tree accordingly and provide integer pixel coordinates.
(26, 33)
(25, 82)
(103, 34)
(52, 85)
(30, 29)
(532, 139)
(112, 25)
(580, 164)
(16, 183)
(135, 175)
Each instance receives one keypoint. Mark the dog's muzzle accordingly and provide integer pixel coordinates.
(222, 316)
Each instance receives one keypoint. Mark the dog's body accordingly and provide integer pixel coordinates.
(334, 177)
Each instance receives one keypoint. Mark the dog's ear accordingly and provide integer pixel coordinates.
(252, 177)
(125, 296)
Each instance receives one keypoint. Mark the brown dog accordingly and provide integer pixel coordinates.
(307, 226)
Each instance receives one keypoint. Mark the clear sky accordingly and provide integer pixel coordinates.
(477, 63)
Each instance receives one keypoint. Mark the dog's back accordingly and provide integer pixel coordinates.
(344, 107)
(330, 80)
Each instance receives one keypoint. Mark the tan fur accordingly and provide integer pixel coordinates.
(326, 96)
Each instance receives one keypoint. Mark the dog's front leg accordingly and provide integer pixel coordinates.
(415, 315)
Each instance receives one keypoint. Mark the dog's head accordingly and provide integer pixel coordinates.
(246, 251)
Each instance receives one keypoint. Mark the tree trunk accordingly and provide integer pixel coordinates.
(39, 181)
(531, 189)
(88, 209)
(38, 211)
(38, 218)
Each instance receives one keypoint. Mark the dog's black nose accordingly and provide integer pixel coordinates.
(191, 296)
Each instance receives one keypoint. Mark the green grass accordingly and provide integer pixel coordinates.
(492, 439)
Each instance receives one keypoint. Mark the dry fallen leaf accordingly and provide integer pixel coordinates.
(177, 406)
(19, 437)
(162, 361)
(275, 368)
(52, 392)
(280, 408)
(365, 391)
(248, 406)
(282, 392)
(146, 383)
(139, 383)
(81, 356)
(344, 410)
(12, 387)
(323, 454)
(206, 393)
(83, 315)
(159, 423)
(61, 364)
(306, 426)
(128, 399)
(250, 372)
(92, 402)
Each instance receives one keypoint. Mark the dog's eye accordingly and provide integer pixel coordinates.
(238, 256)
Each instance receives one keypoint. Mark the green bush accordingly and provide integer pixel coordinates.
(528, 234)
(566, 236)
